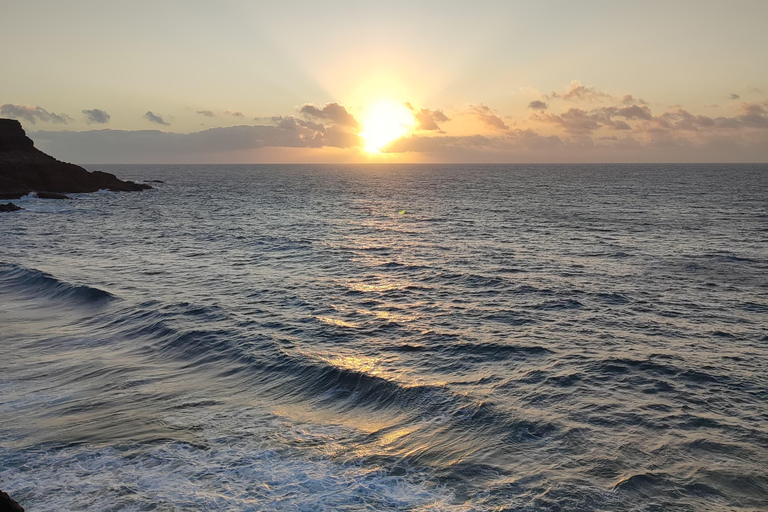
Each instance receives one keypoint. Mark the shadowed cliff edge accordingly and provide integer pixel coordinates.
(25, 169)
(7, 504)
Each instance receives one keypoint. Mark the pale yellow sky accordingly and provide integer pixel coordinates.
(184, 67)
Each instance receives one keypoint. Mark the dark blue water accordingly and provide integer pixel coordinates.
(424, 338)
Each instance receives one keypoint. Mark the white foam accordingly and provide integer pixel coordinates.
(179, 476)
(245, 460)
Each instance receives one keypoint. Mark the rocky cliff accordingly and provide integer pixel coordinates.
(7, 504)
(25, 169)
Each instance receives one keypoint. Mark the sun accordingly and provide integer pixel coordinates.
(383, 122)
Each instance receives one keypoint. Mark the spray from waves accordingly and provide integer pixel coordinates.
(34, 284)
(225, 474)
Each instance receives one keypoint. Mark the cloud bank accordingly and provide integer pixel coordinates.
(582, 124)
(214, 144)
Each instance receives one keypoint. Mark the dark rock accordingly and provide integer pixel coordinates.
(8, 505)
(51, 195)
(10, 207)
(25, 169)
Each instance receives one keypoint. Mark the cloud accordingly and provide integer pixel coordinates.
(486, 115)
(292, 123)
(125, 146)
(512, 140)
(437, 144)
(575, 121)
(628, 99)
(427, 119)
(579, 92)
(633, 112)
(332, 112)
(210, 113)
(734, 96)
(616, 129)
(518, 145)
(33, 114)
(339, 137)
(680, 119)
(154, 118)
(754, 115)
(647, 142)
(96, 116)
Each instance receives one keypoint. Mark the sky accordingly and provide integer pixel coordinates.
(238, 81)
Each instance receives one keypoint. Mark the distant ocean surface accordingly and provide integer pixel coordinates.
(418, 338)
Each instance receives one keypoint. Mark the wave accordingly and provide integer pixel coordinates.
(258, 363)
(19, 280)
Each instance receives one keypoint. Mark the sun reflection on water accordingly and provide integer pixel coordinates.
(337, 322)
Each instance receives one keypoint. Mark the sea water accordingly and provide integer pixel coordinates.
(421, 338)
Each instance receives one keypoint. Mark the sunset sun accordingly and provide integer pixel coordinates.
(383, 122)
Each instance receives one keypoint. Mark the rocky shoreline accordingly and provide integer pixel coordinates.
(25, 169)
(9, 207)
(7, 504)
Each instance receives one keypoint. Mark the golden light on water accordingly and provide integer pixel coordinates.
(337, 322)
(359, 364)
(383, 122)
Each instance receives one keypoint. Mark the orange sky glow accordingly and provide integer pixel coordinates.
(243, 82)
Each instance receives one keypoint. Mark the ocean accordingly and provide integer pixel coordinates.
(390, 337)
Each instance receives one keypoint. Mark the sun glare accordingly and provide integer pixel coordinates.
(384, 122)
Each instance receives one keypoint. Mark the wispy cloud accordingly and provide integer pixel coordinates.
(579, 92)
(628, 99)
(206, 113)
(488, 117)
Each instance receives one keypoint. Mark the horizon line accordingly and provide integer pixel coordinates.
(438, 163)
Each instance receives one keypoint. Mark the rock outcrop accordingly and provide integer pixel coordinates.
(7, 504)
(9, 207)
(25, 169)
